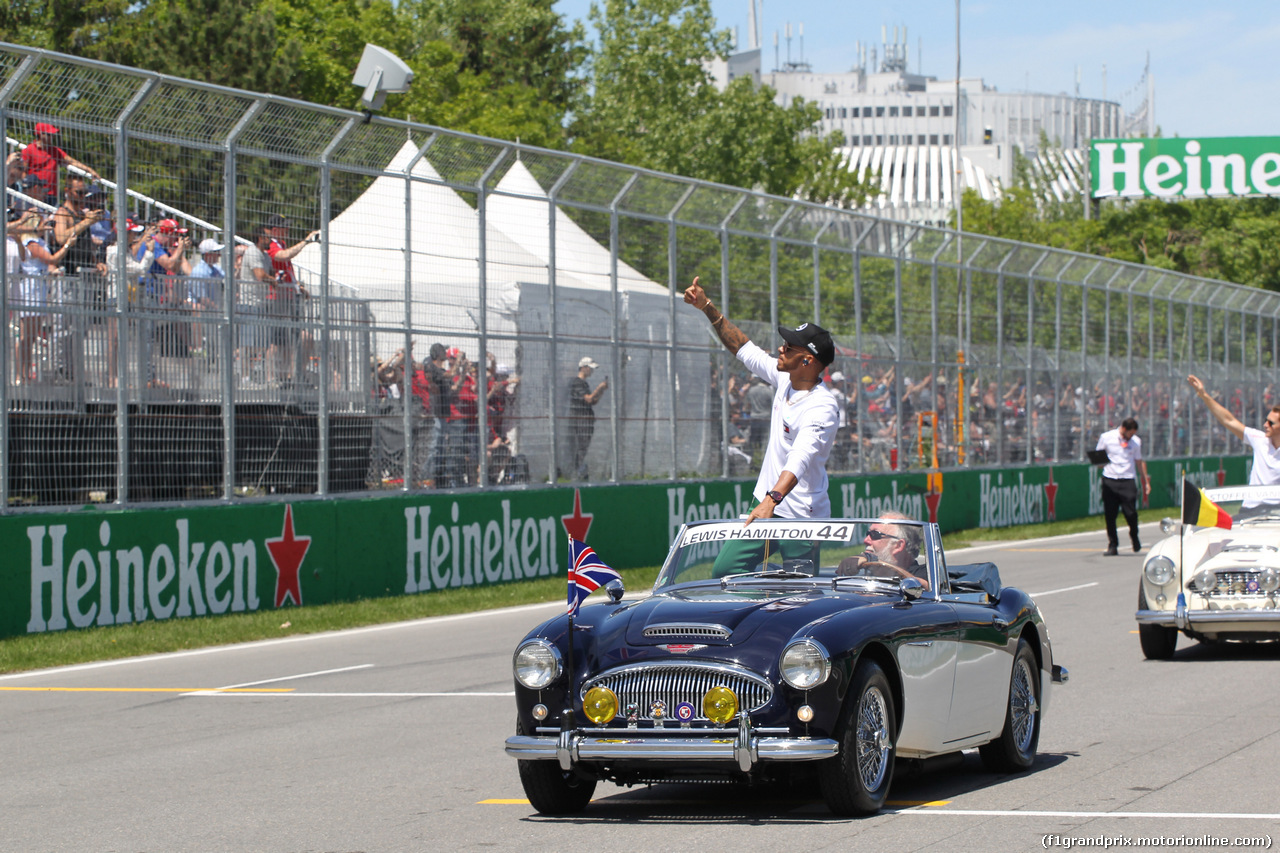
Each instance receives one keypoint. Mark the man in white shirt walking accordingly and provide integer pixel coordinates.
(793, 474)
(1119, 493)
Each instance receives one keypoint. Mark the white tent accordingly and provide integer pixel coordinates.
(367, 262)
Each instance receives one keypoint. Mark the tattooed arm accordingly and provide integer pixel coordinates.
(730, 335)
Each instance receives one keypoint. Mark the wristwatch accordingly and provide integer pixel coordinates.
(776, 495)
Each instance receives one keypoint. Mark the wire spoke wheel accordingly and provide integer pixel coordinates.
(1022, 705)
(873, 738)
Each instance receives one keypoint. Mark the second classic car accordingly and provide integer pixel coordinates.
(1213, 583)
(777, 644)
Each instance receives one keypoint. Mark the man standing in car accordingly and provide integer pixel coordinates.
(793, 475)
(1119, 494)
(1264, 442)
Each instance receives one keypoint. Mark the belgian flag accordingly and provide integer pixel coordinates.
(1200, 511)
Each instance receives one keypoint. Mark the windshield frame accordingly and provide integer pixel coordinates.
(789, 528)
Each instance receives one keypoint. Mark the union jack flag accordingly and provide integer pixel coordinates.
(587, 573)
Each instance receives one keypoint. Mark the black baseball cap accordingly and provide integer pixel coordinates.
(277, 221)
(814, 338)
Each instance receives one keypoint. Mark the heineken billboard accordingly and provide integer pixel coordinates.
(98, 568)
(1216, 167)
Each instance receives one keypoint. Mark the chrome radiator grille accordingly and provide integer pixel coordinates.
(1232, 583)
(642, 685)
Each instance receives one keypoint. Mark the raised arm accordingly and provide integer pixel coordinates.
(730, 335)
(1219, 411)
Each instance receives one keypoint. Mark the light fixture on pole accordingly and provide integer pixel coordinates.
(380, 73)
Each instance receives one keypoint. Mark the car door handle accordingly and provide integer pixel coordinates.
(925, 643)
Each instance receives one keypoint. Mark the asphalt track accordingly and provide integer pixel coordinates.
(390, 738)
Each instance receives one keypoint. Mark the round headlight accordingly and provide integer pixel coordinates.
(1269, 579)
(1206, 581)
(805, 665)
(600, 705)
(719, 705)
(1159, 570)
(536, 664)
(1168, 525)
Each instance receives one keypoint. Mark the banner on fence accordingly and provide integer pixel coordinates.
(95, 568)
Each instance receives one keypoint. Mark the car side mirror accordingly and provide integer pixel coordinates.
(615, 590)
(911, 588)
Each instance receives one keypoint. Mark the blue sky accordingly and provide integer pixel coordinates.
(1215, 65)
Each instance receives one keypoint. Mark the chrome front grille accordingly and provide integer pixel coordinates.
(1232, 583)
(641, 685)
(701, 631)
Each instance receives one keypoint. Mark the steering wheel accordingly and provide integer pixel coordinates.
(880, 569)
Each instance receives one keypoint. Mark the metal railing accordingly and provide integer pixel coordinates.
(953, 349)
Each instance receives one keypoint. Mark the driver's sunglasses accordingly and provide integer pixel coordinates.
(877, 535)
(1271, 423)
(786, 347)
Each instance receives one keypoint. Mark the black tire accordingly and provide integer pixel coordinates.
(552, 791)
(1159, 642)
(856, 781)
(1015, 749)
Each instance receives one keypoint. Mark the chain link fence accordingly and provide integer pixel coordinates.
(218, 295)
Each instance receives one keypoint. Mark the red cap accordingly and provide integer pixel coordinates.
(451, 352)
(45, 127)
(168, 226)
(132, 226)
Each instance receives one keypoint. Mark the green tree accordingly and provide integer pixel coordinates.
(653, 104)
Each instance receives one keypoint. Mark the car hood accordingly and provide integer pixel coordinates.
(714, 616)
(1214, 548)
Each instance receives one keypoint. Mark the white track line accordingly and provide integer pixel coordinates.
(300, 638)
(281, 678)
(1064, 589)
(926, 810)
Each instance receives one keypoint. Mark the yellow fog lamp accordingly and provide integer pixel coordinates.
(719, 705)
(600, 705)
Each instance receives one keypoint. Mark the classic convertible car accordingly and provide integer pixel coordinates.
(737, 671)
(1211, 583)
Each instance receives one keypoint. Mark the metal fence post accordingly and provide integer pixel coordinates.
(21, 73)
(229, 297)
(122, 289)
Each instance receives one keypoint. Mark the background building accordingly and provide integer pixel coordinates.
(902, 123)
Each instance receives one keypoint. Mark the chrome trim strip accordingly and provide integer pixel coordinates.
(729, 749)
(1172, 619)
(674, 629)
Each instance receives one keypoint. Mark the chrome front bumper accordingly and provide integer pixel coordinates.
(1183, 618)
(742, 745)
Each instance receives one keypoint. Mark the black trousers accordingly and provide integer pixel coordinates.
(1120, 496)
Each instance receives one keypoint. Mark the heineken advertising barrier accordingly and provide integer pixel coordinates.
(1187, 168)
(99, 568)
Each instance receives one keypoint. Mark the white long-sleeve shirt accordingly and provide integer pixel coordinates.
(801, 434)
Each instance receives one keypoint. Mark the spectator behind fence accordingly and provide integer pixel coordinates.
(43, 157)
(20, 182)
(138, 258)
(285, 295)
(72, 222)
(582, 415)
(30, 297)
(439, 394)
(254, 281)
(204, 289)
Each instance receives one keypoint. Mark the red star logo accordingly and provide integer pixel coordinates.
(287, 553)
(932, 500)
(1051, 495)
(577, 525)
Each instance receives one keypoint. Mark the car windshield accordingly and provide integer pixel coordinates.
(789, 549)
(1248, 504)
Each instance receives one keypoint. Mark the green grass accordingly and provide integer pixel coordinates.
(38, 651)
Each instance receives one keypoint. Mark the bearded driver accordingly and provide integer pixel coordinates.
(805, 417)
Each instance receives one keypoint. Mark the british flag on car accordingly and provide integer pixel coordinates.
(587, 573)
